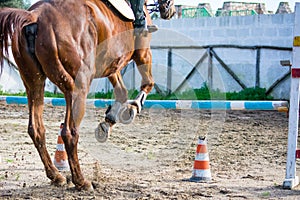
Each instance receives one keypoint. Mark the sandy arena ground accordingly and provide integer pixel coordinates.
(150, 158)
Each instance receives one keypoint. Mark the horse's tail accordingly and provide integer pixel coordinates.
(11, 23)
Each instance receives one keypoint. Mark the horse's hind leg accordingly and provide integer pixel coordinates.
(34, 82)
(36, 128)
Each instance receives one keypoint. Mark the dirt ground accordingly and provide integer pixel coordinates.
(151, 158)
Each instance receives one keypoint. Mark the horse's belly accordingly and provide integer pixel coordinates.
(107, 67)
(112, 58)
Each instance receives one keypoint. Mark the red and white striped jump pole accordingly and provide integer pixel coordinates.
(291, 179)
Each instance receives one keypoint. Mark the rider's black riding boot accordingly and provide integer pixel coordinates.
(140, 27)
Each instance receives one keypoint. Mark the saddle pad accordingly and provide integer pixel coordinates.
(123, 8)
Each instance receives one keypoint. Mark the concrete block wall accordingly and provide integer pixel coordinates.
(275, 30)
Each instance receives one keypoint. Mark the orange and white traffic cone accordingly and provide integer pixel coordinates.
(60, 157)
(201, 171)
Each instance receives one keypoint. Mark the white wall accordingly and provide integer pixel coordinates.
(10, 80)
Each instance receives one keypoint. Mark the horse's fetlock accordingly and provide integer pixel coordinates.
(59, 180)
(108, 109)
(31, 131)
(140, 100)
(87, 186)
(113, 112)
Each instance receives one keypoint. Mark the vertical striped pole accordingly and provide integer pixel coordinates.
(291, 180)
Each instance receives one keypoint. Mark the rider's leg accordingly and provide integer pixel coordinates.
(137, 7)
(140, 21)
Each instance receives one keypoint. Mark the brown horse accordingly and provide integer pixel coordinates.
(71, 42)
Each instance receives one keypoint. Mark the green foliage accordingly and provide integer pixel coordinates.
(15, 4)
(132, 94)
(157, 97)
(101, 95)
(255, 93)
(12, 94)
(56, 95)
(204, 93)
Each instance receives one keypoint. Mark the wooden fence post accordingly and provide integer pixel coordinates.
(169, 75)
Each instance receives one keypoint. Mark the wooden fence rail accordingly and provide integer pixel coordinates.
(210, 53)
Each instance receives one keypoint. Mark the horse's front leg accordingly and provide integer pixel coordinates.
(125, 113)
(121, 111)
(143, 59)
(118, 112)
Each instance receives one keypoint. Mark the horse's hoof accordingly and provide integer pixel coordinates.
(102, 132)
(127, 115)
(59, 181)
(87, 186)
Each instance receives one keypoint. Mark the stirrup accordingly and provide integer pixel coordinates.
(152, 28)
(143, 31)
